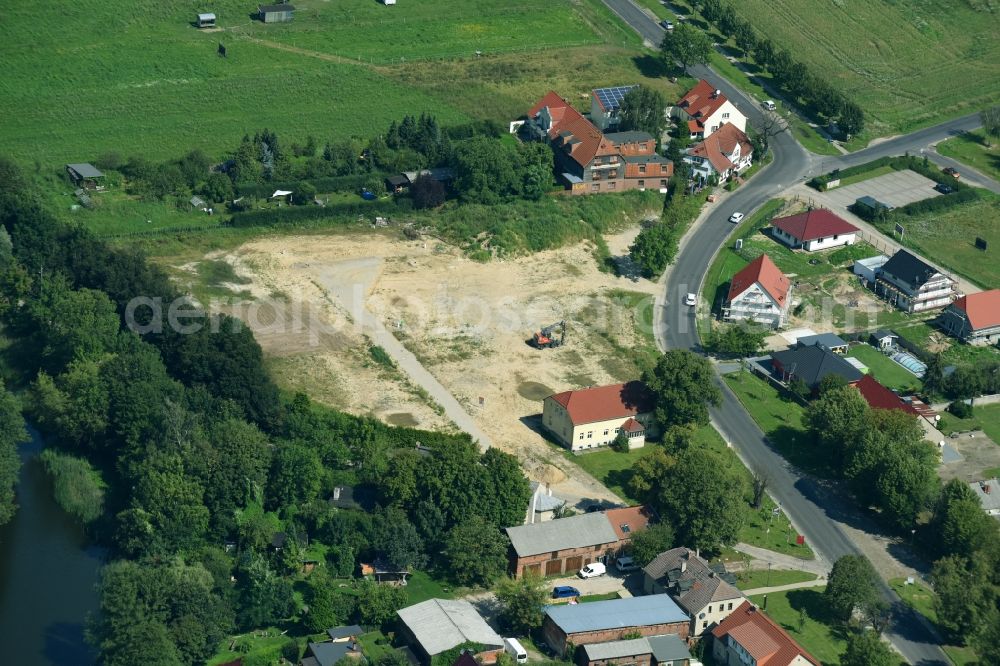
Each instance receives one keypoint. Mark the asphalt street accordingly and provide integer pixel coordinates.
(814, 509)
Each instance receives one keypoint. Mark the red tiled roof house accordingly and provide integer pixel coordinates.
(748, 636)
(879, 397)
(705, 110)
(589, 161)
(760, 293)
(816, 229)
(592, 417)
(726, 153)
(974, 319)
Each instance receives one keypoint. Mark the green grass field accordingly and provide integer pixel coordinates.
(949, 238)
(921, 599)
(971, 148)
(906, 62)
(885, 370)
(758, 578)
(805, 616)
(89, 78)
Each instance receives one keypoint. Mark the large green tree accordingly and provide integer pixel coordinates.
(684, 386)
(650, 542)
(296, 474)
(703, 495)
(476, 552)
(837, 420)
(72, 324)
(521, 600)
(852, 586)
(12, 433)
(960, 527)
(866, 648)
(643, 109)
(654, 248)
(966, 593)
(503, 490)
(377, 604)
(685, 45)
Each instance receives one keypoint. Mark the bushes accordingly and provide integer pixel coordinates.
(286, 215)
(77, 486)
(352, 183)
(962, 410)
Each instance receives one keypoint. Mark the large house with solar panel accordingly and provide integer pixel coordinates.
(589, 161)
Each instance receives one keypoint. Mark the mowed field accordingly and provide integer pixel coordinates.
(87, 77)
(906, 62)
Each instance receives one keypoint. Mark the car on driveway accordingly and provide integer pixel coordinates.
(690, 299)
(951, 171)
(593, 570)
(667, 25)
(944, 189)
(625, 564)
(565, 592)
(736, 217)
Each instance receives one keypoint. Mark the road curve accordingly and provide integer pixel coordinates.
(809, 506)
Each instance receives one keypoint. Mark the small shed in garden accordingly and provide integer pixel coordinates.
(276, 13)
(883, 339)
(206, 20)
(85, 175)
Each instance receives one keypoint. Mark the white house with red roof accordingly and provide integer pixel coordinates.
(704, 110)
(592, 417)
(760, 292)
(727, 152)
(974, 319)
(816, 229)
(748, 636)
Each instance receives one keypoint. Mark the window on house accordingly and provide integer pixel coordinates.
(612, 185)
(590, 434)
(606, 432)
(581, 435)
(730, 606)
(835, 236)
(709, 609)
(725, 116)
(596, 187)
(663, 183)
(642, 183)
(642, 168)
(704, 624)
(555, 554)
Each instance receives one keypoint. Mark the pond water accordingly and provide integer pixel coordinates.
(47, 575)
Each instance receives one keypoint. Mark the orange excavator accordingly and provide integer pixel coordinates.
(546, 338)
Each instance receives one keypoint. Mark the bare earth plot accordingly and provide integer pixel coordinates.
(466, 322)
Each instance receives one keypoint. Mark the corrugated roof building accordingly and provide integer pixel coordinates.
(437, 625)
(612, 620)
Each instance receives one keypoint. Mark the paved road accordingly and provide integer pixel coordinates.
(810, 507)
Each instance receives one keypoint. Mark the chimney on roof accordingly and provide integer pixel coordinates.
(697, 553)
(716, 93)
(336, 493)
(684, 566)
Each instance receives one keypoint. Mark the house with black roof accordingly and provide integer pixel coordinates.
(276, 13)
(913, 285)
(810, 364)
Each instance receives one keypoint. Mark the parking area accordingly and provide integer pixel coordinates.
(896, 189)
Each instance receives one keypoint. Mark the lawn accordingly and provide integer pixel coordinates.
(804, 614)
(779, 416)
(885, 370)
(598, 597)
(907, 63)
(921, 599)
(765, 529)
(421, 587)
(374, 645)
(141, 80)
(948, 238)
(758, 578)
(867, 175)
(971, 148)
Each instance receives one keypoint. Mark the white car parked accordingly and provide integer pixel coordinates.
(593, 570)
(691, 299)
(736, 217)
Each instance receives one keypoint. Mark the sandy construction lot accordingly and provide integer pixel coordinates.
(467, 323)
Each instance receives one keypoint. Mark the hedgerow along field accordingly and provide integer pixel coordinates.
(908, 63)
(88, 77)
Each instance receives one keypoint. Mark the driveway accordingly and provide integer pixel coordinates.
(896, 189)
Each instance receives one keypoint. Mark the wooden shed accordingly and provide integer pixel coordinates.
(85, 175)
(275, 13)
(206, 20)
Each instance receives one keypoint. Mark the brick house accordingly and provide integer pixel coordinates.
(974, 319)
(705, 110)
(816, 229)
(760, 293)
(748, 636)
(612, 620)
(726, 153)
(565, 545)
(589, 161)
(913, 285)
(592, 417)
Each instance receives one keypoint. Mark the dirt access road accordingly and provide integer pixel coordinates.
(455, 329)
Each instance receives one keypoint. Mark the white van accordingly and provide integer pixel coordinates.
(593, 570)
(516, 650)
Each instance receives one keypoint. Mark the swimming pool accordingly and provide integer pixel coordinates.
(910, 362)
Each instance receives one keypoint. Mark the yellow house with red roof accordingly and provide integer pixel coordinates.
(592, 417)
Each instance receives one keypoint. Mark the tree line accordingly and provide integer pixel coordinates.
(184, 460)
(687, 45)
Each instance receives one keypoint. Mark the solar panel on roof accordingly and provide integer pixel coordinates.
(611, 98)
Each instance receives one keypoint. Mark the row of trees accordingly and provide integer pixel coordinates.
(687, 45)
